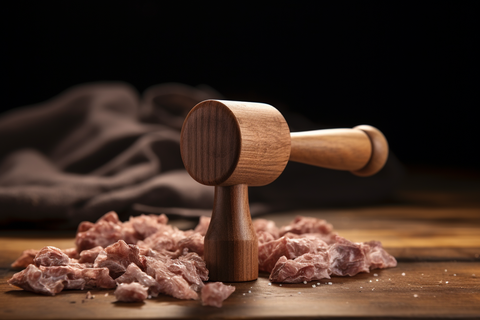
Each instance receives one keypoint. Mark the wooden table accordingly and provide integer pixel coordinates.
(432, 227)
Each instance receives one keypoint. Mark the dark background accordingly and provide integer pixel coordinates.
(406, 68)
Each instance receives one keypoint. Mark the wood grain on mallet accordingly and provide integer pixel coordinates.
(231, 245)
(340, 149)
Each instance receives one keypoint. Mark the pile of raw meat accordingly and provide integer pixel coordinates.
(145, 257)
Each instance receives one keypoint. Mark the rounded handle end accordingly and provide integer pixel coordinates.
(379, 151)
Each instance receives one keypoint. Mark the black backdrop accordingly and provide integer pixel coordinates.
(404, 67)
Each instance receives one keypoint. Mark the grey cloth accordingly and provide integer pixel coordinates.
(100, 147)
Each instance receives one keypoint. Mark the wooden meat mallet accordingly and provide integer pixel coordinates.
(232, 145)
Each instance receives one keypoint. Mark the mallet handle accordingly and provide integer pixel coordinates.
(362, 150)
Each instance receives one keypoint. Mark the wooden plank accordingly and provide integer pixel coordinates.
(434, 235)
(439, 290)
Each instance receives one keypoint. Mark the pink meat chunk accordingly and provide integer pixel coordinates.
(170, 283)
(301, 225)
(53, 279)
(200, 265)
(131, 292)
(348, 258)
(307, 267)
(106, 231)
(187, 270)
(194, 243)
(291, 246)
(51, 256)
(146, 225)
(213, 294)
(25, 259)
(118, 256)
(166, 238)
(135, 274)
(266, 226)
(264, 237)
(378, 257)
(89, 256)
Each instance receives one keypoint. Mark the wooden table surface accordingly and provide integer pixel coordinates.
(432, 227)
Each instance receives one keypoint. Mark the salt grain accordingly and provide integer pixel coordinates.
(375, 274)
(330, 283)
(373, 289)
(243, 293)
(249, 291)
(370, 281)
(318, 283)
(415, 295)
(314, 286)
(280, 284)
(106, 294)
(299, 292)
(269, 283)
(446, 281)
(454, 274)
(445, 270)
(403, 273)
(304, 282)
(377, 279)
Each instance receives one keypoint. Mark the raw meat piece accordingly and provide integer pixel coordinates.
(268, 226)
(107, 230)
(307, 267)
(264, 237)
(378, 257)
(51, 280)
(129, 234)
(33, 279)
(194, 243)
(187, 270)
(118, 256)
(51, 256)
(25, 259)
(89, 256)
(163, 255)
(131, 292)
(348, 258)
(159, 241)
(166, 238)
(84, 226)
(170, 283)
(302, 225)
(213, 294)
(200, 266)
(146, 225)
(203, 225)
(291, 246)
(134, 274)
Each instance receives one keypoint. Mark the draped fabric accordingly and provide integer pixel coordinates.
(101, 146)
